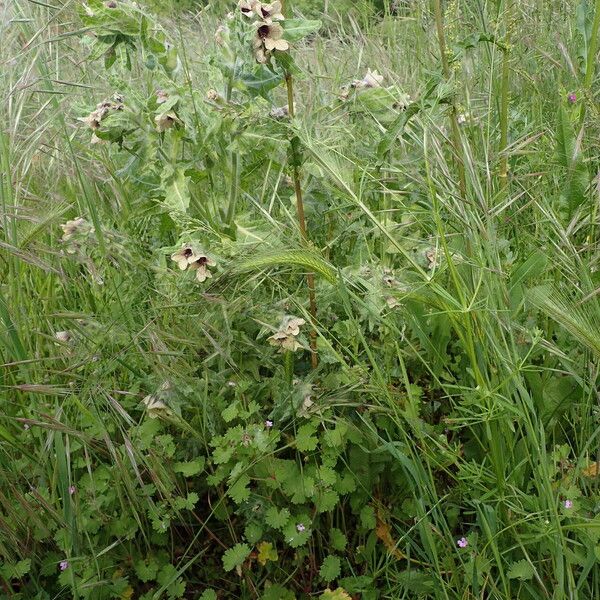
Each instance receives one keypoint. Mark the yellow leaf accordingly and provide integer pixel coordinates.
(339, 594)
(127, 594)
(383, 532)
(266, 552)
(591, 470)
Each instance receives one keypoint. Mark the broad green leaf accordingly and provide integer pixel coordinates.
(296, 29)
(177, 194)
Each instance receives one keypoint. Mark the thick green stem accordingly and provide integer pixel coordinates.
(235, 170)
(310, 277)
(456, 141)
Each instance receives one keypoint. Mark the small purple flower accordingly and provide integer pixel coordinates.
(72, 489)
(572, 98)
(268, 424)
(463, 542)
(568, 504)
(300, 527)
(64, 565)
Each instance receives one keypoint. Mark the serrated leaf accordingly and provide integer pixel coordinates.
(296, 538)
(306, 441)
(367, 517)
(239, 491)
(266, 553)
(277, 592)
(190, 468)
(208, 594)
(338, 539)
(339, 594)
(253, 532)
(16, 571)
(235, 557)
(327, 501)
(277, 518)
(146, 569)
(230, 413)
(522, 570)
(330, 569)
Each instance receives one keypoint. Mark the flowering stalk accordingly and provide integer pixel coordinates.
(310, 277)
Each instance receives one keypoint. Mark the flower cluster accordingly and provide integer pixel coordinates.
(371, 80)
(75, 233)
(156, 404)
(285, 336)
(269, 32)
(194, 259)
(103, 109)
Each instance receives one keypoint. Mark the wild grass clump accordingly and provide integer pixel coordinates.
(299, 305)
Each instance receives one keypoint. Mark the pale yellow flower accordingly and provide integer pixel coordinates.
(200, 265)
(185, 257)
(291, 325)
(371, 80)
(247, 7)
(63, 336)
(94, 119)
(161, 96)
(285, 336)
(75, 227)
(269, 37)
(166, 120)
(269, 12)
(284, 341)
(155, 406)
